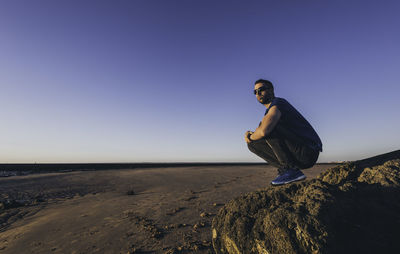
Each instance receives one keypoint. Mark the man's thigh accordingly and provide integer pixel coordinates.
(304, 156)
(262, 149)
(260, 146)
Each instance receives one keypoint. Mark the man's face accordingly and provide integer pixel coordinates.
(263, 97)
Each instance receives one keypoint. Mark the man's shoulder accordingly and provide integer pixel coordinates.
(279, 101)
(282, 104)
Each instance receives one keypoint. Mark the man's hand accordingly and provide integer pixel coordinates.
(247, 136)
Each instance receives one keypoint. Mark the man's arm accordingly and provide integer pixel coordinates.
(267, 124)
(247, 135)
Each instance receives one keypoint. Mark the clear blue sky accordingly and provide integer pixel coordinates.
(154, 81)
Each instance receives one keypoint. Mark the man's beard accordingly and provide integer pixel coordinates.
(265, 100)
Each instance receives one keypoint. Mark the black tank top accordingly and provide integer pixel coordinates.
(292, 120)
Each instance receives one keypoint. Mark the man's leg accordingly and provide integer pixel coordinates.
(263, 150)
(281, 150)
(274, 149)
(276, 153)
(287, 152)
(294, 150)
(305, 157)
(292, 153)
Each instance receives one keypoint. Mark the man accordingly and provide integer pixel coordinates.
(284, 138)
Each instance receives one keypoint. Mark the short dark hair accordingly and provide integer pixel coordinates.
(266, 83)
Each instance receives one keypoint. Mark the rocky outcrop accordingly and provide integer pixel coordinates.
(351, 208)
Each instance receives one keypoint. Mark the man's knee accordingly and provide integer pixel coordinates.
(251, 147)
(261, 149)
(256, 145)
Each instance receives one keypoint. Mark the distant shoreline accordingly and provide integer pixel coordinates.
(12, 169)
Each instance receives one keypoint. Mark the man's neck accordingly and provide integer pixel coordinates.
(269, 104)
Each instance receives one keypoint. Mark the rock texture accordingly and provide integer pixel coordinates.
(351, 208)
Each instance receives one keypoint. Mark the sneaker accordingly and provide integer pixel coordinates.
(290, 175)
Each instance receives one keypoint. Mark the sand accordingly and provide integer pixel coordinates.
(152, 210)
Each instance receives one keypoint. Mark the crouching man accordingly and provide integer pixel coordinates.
(284, 138)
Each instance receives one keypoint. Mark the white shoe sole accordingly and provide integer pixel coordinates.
(293, 180)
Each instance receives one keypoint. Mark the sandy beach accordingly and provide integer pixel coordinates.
(152, 210)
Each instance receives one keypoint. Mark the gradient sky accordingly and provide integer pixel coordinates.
(166, 81)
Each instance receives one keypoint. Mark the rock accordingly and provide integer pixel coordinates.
(199, 225)
(171, 251)
(182, 225)
(350, 208)
(204, 214)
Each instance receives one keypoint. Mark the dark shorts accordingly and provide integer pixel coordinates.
(283, 150)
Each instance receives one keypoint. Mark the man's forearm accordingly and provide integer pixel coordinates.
(257, 134)
(267, 124)
(262, 131)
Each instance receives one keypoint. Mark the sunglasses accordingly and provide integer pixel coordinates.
(259, 90)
